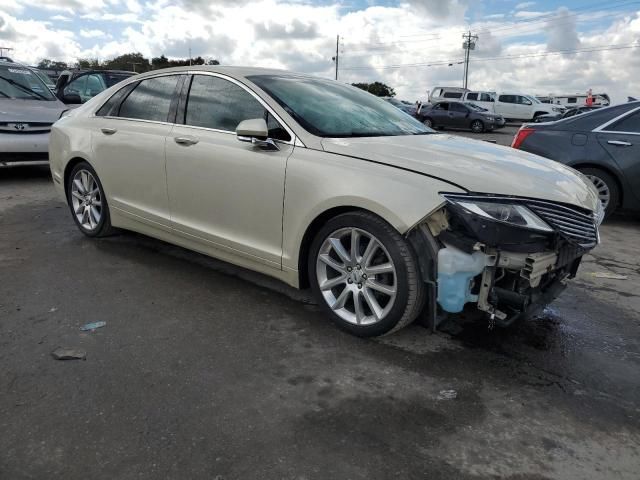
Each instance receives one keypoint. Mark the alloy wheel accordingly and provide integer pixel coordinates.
(477, 126)
(86, 200)
(356, 276)
(604, 193)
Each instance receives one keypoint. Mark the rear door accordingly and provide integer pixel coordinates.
(458, 115)
(621, 140)
(129, 148)
(224, 193)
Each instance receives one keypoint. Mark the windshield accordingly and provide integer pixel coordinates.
(43, 76)
(21, 83)
(330, 109)
(475, 107)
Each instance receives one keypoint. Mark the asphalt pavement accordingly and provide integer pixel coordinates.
(207, 371)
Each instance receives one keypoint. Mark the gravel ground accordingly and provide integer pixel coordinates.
(207, 371)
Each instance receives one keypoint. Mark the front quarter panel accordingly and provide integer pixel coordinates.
(319, 181)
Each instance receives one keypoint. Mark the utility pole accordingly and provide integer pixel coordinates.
(337, 57)
(468, 45)
(2, 49)
(189, 54)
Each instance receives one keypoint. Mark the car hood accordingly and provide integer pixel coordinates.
(477, 166)
(13, 110)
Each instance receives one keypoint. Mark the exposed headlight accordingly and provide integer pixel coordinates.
(517, 215)
(557, 109)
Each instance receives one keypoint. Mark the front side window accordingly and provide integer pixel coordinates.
(76, 87)
(507, 98)
(219, 104)
(21, 83)
(523, 100)
(151, 99)
(472, 96)
(441, 106)
(456, 107)
(94, 85)
(327, 108)
(629, 124)
(485, 97)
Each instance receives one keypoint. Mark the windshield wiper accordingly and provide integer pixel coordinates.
(23, 87)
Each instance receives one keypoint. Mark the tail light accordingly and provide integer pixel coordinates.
(520, 136)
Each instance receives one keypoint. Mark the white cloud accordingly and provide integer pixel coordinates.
(61, 18)
(523, 5)
(525, 14)
(92, 33)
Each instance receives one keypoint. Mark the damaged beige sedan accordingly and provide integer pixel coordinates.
(325, 186)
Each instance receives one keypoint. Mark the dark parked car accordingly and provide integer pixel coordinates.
(460, 115)
(73, 87)
(572, 112)
(603, 144)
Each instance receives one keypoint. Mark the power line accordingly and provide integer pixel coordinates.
(504, 57)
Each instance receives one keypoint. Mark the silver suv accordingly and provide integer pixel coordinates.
(27, 111)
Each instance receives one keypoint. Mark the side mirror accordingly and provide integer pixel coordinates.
(255, 131)
(71, 98)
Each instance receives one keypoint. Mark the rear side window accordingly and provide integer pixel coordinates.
(472, 96)
(598, 117)
(629, 124)
(219, 104)
(151, 99)
(456, 107)
(452, 95)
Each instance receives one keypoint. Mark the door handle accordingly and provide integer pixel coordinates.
(619, 143)
(108, 131)
(186, 141)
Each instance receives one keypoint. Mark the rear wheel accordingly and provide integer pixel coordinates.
(363, 273)
(87, 201)
(427, 122)
(477, 126)
(608, 190)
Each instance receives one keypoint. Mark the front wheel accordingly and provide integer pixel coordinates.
(477, 126)
(364, 274)
(87, 201)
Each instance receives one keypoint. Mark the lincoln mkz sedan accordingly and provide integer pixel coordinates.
(322, 185)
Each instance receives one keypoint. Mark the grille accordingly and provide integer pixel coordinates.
(575, 224)
(25, 127)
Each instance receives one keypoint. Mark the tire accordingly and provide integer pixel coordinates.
(427, 122)
(87, 201)
(477, 126)
(351, 276)
(607, 187)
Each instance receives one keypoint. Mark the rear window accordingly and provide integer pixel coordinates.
(452, 95)
(590, 120)
(472, 96)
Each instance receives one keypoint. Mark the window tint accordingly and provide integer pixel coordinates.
(507, 98)
(472, 96)
(572, 100)
(110, 108)
(630, 123)
(599, 117)
(485, 97)
(76, 86)
(220, 104)
(452, 95)
(456, 107)
(441, 106)
(94, 85)
(523, 100)
(151, 99)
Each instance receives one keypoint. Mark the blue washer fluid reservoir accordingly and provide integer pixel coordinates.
(456, 269)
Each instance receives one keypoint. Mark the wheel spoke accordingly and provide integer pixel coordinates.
(97, 203)
(339, 249)
(355, 244)
(341, 300)
(95, 214)
(77, 195)
(331, 283)
(372, 247)
(84, 219)
(373, 303)
(357, 303)
(338, 267)
(92, 223)
(388, 290)
(79, 209)
(84, 176)
(79, 185)
(379, 269)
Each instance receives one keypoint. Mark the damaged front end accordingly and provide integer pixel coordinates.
(509, 256)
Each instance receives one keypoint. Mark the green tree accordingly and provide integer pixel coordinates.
(47, 64)
(378, 89)
(129, 61)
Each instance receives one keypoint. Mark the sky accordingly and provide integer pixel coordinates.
(536, 47)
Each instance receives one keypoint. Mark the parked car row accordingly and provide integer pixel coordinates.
(30, 104)
(460, 115)
(572, 112)
(510, 105)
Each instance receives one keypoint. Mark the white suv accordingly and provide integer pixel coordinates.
(515, 106)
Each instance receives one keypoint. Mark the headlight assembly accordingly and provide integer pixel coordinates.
(511, 214)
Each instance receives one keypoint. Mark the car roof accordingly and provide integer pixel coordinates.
(238, 71)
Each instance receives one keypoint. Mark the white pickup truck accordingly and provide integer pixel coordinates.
(512, 106)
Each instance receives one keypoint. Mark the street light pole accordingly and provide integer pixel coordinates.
(337, 57)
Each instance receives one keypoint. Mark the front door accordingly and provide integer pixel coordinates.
(225, 193)
(128, 144)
